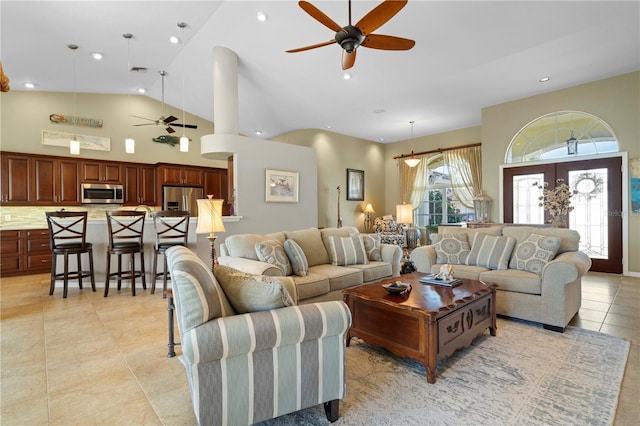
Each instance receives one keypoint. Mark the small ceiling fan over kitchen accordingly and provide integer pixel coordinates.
(352, 36)
(169, 122)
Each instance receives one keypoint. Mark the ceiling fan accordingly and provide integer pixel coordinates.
(162, 121)
(352, 36)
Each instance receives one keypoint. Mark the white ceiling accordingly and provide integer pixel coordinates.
(468, 55)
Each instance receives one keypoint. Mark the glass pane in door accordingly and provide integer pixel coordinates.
(590, 214)
(526, 207)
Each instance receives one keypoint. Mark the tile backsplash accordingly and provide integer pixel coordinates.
(34, 216)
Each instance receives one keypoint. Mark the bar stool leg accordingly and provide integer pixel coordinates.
(132, 262)
(154, 271)
(79, 264)
(119, 272)
(142, 271)
(66, 275)
(93, 278)
(53, 273)
(108, 276)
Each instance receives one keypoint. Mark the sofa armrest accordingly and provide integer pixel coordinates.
(392, 254)
(423, 258)
(230, 336)
(565, 268)
(250, 266)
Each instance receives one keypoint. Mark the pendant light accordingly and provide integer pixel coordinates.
(184, 140)
(129, 142)
(412, 162)
(74, 143)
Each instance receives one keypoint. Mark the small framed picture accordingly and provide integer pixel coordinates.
(281, 186)
(355, 185)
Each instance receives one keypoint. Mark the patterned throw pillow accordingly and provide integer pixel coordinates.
(271, 251)
(490, 251)
(297, 258)
(347, 251)
(451, 248)
(252, 293)
(371, 246)
(533, 253)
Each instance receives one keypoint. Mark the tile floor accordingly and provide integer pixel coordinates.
(94, 360)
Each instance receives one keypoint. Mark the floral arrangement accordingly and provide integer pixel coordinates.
(557, 200)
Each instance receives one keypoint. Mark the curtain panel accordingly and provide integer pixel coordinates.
(465, 172)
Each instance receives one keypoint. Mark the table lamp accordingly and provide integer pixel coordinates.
(210, 222)
(368, 218)
(404, 215)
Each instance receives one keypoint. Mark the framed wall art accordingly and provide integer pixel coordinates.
(281, 186)
(355, 185)
(95, 143)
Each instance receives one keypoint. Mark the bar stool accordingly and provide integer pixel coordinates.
(172, 229)
(125, 228)
(67, 235)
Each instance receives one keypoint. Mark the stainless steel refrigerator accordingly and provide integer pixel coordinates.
(181, 198)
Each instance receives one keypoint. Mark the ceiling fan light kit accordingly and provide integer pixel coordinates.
(350, 37)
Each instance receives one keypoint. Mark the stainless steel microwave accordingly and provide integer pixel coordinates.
(101, 193)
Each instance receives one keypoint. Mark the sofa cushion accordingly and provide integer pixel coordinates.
(244, 245)
(311, 285)
(374, 271)
(194, 285)
(569, 238)
(296, 256)
(272, 251)
(451, 248)
(490, 251)
(533, 253)
(514, 280)
(310, 241)
(347, 251)
(371, 246)
(340, 277)
(252, 293)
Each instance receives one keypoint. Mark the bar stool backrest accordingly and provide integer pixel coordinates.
(67, 229)
(172, 227)
(125, 227)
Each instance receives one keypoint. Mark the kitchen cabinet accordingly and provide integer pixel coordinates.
(24, 252)
(215, 183)
(140, 185)
(180, 175)
(55, 181)
(14, 178)
(100, 172)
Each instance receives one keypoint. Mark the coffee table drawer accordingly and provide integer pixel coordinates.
(459, 328)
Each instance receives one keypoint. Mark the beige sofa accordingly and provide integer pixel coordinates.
(324, 280)
(546, 292)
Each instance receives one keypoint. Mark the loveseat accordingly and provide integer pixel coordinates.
(319, 262)
(250, 353)
(538, 270)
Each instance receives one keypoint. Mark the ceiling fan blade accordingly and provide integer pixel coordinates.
(186, 126)
(313, 46)
(385, 42)
(145, 124)
(319, 16)
(379, 15)
(144, 118)
(170, 130)
(169, 119)
(348, 59)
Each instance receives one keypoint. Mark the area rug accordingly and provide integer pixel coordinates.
(523, 376)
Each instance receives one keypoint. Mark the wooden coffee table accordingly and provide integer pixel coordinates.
(426, 324)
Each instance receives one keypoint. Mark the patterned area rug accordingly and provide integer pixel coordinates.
(524, 376)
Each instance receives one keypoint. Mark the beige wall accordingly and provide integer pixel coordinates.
(26, 114)
(337, 153)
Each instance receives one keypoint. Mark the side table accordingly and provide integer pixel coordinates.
(170, 307)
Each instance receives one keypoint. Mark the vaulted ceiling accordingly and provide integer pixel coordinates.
(468, 55)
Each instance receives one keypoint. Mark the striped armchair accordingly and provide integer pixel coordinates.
(246, 368)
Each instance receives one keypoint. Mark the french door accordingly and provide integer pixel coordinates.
(597, 213)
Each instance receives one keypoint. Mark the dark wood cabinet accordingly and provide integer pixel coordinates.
(14, 179)
(24, 252)
(56, 181)
(100, 172)
(180, 175)
(215, 183)
(140, 185)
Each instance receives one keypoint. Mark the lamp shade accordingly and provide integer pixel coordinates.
(129, 146)
(209, 216)
(74, 146)
(404, 213)
(369, 208)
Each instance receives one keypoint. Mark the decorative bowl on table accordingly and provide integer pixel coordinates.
(397, 287)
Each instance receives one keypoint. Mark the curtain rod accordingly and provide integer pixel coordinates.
(436, 150)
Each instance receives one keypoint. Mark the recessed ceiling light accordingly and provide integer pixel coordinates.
(381, 139)
(174, 39)
(258, 132)
(544, 79)
(96, 55)
(142, 90)
(346, 76)
(329, 126)
(29, 85)
(262, 17)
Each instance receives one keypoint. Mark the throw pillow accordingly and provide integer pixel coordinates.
(371, 246)
(533, 253)
(251, 293)
(490, 251)
(271, 251)
(347, 251)
(451, 248)
(297, 258)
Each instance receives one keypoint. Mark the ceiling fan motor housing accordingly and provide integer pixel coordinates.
(349, 38)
